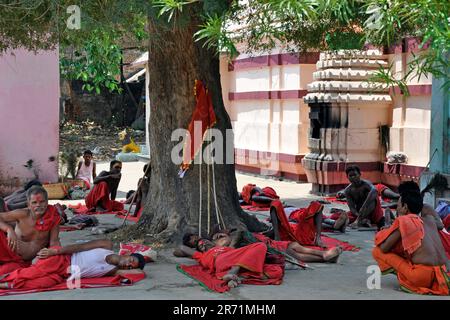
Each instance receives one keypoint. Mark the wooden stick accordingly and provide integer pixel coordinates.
(135, 194)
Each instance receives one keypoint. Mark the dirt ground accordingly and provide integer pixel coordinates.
(102, 140)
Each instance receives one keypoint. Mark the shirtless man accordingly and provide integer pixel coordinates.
(412, 248)
(362, 199)
(36, 227)
(102, 196)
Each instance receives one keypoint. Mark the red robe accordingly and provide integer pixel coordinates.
(219, 260)
(445, 238)
(100, 195)
(10, 260)
(446, 222)
(278, 245)
(204, 113)
(247, 192)
(304, 231)
(44, 273)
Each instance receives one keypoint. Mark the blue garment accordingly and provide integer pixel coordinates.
(443, 209)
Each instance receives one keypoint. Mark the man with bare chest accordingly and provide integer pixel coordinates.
(411, 248)
(35, 228)
(363, 201)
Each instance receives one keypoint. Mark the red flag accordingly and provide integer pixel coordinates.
(203, 118)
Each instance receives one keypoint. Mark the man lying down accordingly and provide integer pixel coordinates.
(55, 265)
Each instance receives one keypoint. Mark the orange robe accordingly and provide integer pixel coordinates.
(100, 195)
(416, 278)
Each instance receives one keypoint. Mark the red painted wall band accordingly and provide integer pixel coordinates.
(267, 95)
(274, 60)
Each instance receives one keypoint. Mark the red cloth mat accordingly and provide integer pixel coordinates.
(253, 208)
(103, 282)
(82, 209)
(211, 283)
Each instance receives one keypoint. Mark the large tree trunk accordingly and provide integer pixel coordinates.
(172, 207)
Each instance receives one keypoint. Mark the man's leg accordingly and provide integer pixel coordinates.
(311, 255)
(275, 223)
(318, 217)
(232, 277)
(389, 194)
(366, 212)
(409, 275)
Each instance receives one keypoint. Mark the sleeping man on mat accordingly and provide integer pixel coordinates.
(55, 265)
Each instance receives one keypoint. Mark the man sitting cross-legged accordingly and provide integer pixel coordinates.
(34, 228)
(106, 184)
(92, 259)
(412, 249)
(363, 200)
(230, 265)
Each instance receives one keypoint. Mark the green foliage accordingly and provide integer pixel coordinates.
(92, 54)
(214, 35)
(97, 65)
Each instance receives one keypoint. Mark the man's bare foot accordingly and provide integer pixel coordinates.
(332, 255)
(354, 225)
(232, 280)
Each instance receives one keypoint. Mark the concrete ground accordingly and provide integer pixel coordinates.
(345, 280)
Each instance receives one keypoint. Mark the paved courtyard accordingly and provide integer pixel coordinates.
(345, 280)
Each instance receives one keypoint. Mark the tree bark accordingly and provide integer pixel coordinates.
(172, 206)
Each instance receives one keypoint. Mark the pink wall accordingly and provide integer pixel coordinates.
(29, 114)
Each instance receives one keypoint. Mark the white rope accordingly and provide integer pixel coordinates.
(209, 197)
(215, 195)
(200, 206)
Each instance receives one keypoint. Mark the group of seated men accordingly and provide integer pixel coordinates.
(33, 232)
